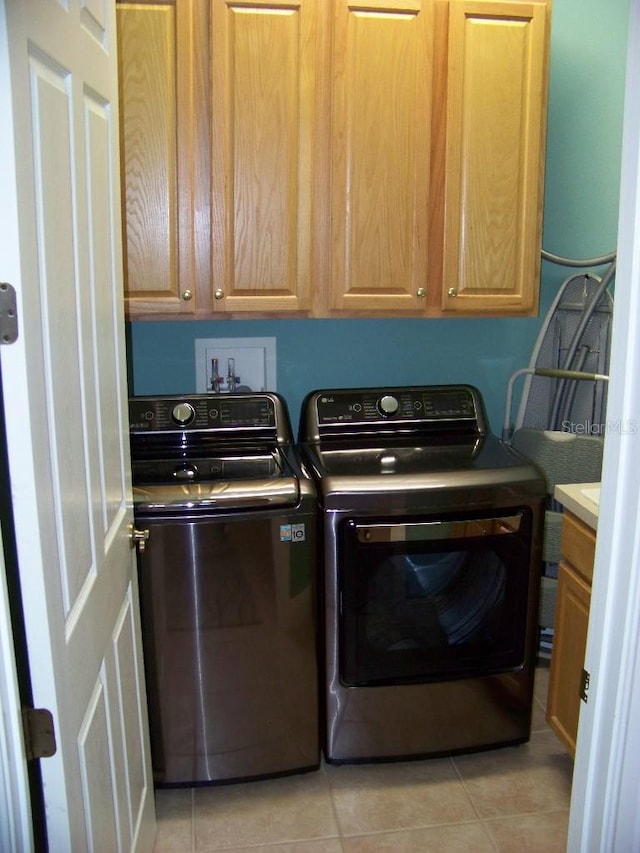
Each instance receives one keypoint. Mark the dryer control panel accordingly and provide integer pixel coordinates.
(441, 408)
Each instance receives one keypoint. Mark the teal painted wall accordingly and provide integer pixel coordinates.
(584, 138)
(588, 55)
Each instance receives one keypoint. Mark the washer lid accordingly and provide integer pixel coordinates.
(216, 495)
(231, 465)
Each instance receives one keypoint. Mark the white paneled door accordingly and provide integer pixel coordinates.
(66, 415)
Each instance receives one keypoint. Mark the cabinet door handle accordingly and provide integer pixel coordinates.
(187, 294)
(219, 293)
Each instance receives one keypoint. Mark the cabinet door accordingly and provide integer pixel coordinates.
(567, 659)
(380, 155)
(158, 124)
(494, 166)
(264, 59)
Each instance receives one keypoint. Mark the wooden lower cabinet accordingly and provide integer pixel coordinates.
(570, 634)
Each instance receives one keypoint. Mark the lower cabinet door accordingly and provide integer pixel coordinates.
(567, 660)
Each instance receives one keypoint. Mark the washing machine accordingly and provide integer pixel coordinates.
(226, 524)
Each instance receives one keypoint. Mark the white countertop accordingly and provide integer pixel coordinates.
(582, 499)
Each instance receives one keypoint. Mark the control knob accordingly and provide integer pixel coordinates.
(183, 414)
(388, 405)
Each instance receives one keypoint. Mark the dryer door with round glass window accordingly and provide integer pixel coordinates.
(425, 599)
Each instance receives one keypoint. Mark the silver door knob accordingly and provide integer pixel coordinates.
(138, 537)
(219, 293)
(452, 292)
(187, 295)
(421, 292)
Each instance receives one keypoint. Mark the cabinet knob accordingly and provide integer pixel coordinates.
(452, 292)
(421, 292)
(187, 294)
(219, 293)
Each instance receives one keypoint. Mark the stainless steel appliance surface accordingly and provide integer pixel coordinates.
(431, 533)
(227, 563)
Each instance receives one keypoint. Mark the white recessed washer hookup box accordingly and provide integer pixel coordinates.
(225, 365)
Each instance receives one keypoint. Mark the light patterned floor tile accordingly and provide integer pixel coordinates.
(533, 777)
(323, 845)
(275, 811)
(538, 833)
(541, 685)
(541, 688)
(538, 718)
(460, 838)
(406, 795)
(174, 821)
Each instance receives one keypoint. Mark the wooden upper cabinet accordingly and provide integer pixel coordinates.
(159, 164)
(265, 134)
(332, 157)
(494, 164)
(381, 83)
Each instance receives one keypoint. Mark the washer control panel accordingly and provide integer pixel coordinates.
(202, 412)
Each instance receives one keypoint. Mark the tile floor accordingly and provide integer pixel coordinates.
(511, 799)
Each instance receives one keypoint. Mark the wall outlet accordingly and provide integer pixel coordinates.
(244, 364)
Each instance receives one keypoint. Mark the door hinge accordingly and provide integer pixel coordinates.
(8, 314)
(39, 733)
(584, 685)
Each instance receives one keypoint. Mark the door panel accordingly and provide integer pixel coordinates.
(67, 433)
(53, 153)
(382, 92)
(264, 63)
(496, 109)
